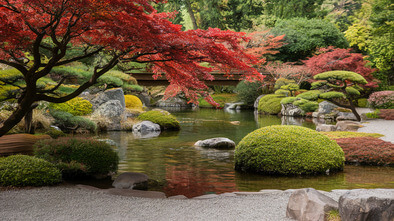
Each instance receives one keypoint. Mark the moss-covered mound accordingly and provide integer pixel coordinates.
(270, 104)
(133, 102)
(288, 150)
(162, 118)
(23, 170)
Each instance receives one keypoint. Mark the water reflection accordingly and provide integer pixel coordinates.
(192, 171)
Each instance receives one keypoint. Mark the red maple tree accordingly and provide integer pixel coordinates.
(123, 30)
(331, 58)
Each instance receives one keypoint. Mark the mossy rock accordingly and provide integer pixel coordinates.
(162, 118)
(288, 150)
(23, 170)
(270, 104)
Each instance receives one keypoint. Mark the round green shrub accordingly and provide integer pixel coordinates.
(76, 106)
(69, 122)
(133, 102)
(288, 150)
(23, 170)
(78, 157)
(306, 105)
(362, 102)
(310, 95)
(162, 118)
(270, 104)
(288, 100)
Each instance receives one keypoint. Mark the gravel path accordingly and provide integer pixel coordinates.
(385, 127)
(66, 203)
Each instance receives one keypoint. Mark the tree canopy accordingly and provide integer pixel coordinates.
(36, 37)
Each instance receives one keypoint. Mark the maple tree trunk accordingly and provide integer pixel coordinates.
(353, 108)
(190, 11)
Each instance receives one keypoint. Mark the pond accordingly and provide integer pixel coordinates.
(172, 159)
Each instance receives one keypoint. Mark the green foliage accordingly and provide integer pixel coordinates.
(81, 73)
(306, 105)
(342, 76)
(162, 118)
(286, 9)
(333, 215)
(347, 134)
(312, 95)
(303, 36)
(248, 92)
(76, 106)
(68, 122)
(22, 170)
(133, 102)
(288, 100)
(52, 132)
(362, 102)
(283, 92)
(282, 82)
(78, 157)
(288, 150)
(352, 91)
(221, 99)
(270, 104)
(373, 115)
(332, 95)
(110, 81)
(131, 88)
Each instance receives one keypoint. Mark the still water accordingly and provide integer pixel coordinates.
(172, 159)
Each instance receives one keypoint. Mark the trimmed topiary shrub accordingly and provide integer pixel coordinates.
(78, 157)
(288, 150)
(306, 105)
(312, 95)
(270, 104)
(362, 102)
(23, 170)
(288, 100)
(76, 106)
(133, 102)
(162, 118)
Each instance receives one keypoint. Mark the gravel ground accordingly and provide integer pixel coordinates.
(385, 127)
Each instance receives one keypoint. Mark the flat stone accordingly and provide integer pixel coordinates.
(228, 194)
(129, 180)
(218, 143)
(87, 187)
(178, 197)
(207, 196)
(135, 193)
(269, 191)
(348, 126)
(326, 127)
(249, 193)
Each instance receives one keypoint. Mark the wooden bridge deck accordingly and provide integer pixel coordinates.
(146, 79)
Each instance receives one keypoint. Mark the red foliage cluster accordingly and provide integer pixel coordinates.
(331, 58)
(387, 114)
(367, 150)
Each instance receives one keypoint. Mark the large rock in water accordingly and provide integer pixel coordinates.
(367, 205)
(129, 180)
(217, 143)
(113, 111)
(326, 107)
(146, 129)
(291, 110)
(309, 205)
(103, 97)
(256, 102)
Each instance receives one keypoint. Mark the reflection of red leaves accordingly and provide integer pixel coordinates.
(367, 150)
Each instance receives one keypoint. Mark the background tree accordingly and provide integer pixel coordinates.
(239, 14)
(125, 31)
(340, 85)
(331, 59)
(286, 9)
(303, 36)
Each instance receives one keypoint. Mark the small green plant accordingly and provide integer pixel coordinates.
(52, 132)
(77, 106)
(270, 104)
(374, 114)
(288, 150)
(162, 118)
(248, 92)
(333, 215)
(78, 157)
(306, 105)
(23, 170)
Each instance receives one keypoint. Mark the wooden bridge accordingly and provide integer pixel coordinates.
(146, 79)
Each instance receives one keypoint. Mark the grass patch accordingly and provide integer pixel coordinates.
(348, 134)
(221, 99)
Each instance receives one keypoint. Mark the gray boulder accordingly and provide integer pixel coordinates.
(98, 100)
(218, 143)
(367, 205)
(326, 127)
(326, 107)
(256, 102)
(146, 127)
(308, 204)
(291, 110)
(112, 108)
(129, 180)
(116, 94)
(103, 97)
(173, 102)
(348, 125)
(346, 116)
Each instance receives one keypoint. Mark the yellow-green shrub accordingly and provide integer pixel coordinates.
(162, 118)
(270, 104)
(287, 150)
(133, 102)
(76, 106)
